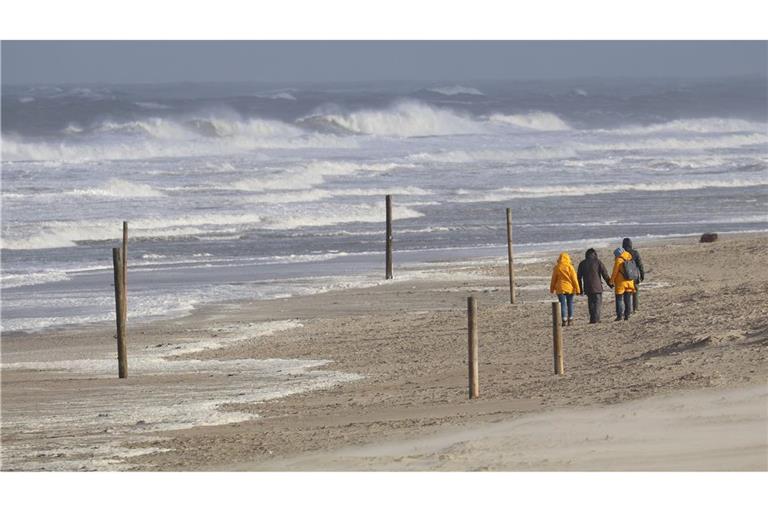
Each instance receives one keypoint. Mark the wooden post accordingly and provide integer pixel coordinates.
(510, 259)
(557, 338)
(125, 258)
(120, 313)
(474, 382)
(389, 238)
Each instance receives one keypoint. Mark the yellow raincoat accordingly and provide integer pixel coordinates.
(620, 283)
(564, 278)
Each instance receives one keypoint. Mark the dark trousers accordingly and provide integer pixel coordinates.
(624, 305)
(634, 297)
(595, 303)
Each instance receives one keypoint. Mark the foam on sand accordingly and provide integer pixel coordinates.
(106, 412)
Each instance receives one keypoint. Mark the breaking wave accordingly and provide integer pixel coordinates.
(306, 176)
(681, 144)
(455, 90)
(702, 125)
(17, 280)
(505, 193)
(276, 95)
(307, 196)
(118, 188)
(114, 188)
(55, 234)
(496, 155)
(350, 214)
(542, 121)
(403, 119)
(161, 138)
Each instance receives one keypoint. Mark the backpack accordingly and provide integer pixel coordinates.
(630, 271)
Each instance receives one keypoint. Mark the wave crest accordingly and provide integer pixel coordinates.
(506, 193)
(541, 121)
(403, 119)
(455, 90)
(700, 125)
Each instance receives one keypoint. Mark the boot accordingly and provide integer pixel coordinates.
(570, 320)
(563, 324)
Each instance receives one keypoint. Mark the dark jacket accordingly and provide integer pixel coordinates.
(589, 273)
(627, 245)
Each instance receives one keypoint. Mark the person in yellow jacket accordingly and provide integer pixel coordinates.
(565, 284)
(623, 287)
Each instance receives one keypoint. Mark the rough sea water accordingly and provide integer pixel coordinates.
(250, 191)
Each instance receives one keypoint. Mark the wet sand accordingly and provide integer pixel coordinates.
(375, 378)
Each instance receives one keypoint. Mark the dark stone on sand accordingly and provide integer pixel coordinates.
(708, 237)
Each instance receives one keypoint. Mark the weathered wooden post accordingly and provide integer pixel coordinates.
(510, 258)
(120, 313)
(474, 382)
(557, 338)
(389, 237)
(125, 258)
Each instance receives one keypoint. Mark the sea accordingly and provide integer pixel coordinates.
(255, 191)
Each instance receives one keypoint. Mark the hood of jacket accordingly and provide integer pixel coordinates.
(564, 259)
(627, 244)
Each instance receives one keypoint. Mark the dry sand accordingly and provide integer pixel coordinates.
(376, 378)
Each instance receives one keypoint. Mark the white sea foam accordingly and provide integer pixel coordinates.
(542, 121)
(73, 128)
(345, 215)
(681, 144)
(32, 278)
(151, 105)
(701, 125)
(158, 137)
(298, 196)
(496, 155)
(118, 188)
(306, 176)
(78, 424)
(400, 191)
(68, 233)
(505, 193)
(403, 119)
(114, 188)
(573, 150)
(276, 95)
(454, 90)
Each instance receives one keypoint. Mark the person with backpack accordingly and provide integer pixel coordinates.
(625, 272)
(591, 269)
(627, 245)
(565, 284)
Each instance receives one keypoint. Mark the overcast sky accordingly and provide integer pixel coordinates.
(215, 61)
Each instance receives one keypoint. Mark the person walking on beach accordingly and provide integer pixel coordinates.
(565, 284)
(627, 245)
(591, 269)
(623, 278)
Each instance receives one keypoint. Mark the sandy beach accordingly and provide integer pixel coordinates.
(375, 378)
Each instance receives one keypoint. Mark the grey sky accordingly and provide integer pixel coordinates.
(214, 61)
